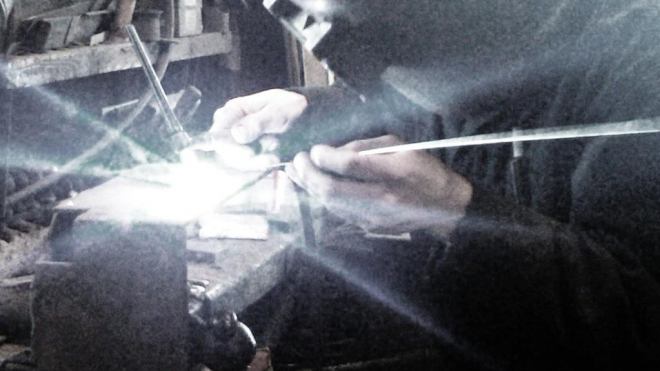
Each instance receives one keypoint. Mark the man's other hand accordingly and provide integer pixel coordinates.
(390, 193)
(268, 112)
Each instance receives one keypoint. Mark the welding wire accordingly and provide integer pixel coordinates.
(568, 132)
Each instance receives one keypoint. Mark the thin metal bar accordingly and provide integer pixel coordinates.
(516, 137)
(277, 165)
(568, 132)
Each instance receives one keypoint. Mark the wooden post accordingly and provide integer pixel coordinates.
(123, 17)
(6, 107)
(315, 74)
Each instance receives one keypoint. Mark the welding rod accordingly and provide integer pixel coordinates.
(645, 126)
(567, 132)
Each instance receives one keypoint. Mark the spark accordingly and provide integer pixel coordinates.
(173, 192)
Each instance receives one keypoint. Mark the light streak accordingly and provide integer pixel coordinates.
(111, 135)
(402, 307)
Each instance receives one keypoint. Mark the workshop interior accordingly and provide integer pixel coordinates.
(135, 237)
(117, 252)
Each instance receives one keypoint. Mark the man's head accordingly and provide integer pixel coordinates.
(452, 31)
(452, 44)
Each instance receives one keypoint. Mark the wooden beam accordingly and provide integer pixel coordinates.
(71, 63)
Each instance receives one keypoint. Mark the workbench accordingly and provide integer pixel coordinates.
(115, 265)
(241, 270)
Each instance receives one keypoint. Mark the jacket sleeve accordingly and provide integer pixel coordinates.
(538, 294)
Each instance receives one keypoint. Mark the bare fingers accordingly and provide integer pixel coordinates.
(268, 112)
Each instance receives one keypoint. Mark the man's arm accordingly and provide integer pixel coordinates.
(515, 284)
(300, 118)
(393, 193)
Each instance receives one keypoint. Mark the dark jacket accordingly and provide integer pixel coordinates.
(568, 275)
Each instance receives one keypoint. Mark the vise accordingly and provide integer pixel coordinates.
(116, 292)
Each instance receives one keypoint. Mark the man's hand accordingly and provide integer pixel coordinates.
(393, 193)
(268, 112)
(247, 119)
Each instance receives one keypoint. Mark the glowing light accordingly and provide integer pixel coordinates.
(319, 6)
(173, 192)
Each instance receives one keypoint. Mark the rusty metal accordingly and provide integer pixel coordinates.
(144, 254)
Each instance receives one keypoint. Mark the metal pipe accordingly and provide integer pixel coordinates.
(172, 122)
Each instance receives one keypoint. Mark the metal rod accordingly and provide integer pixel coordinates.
(518, 136)
(568, 132)
(173, 124)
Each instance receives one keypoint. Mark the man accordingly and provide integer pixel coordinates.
(549, 261)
